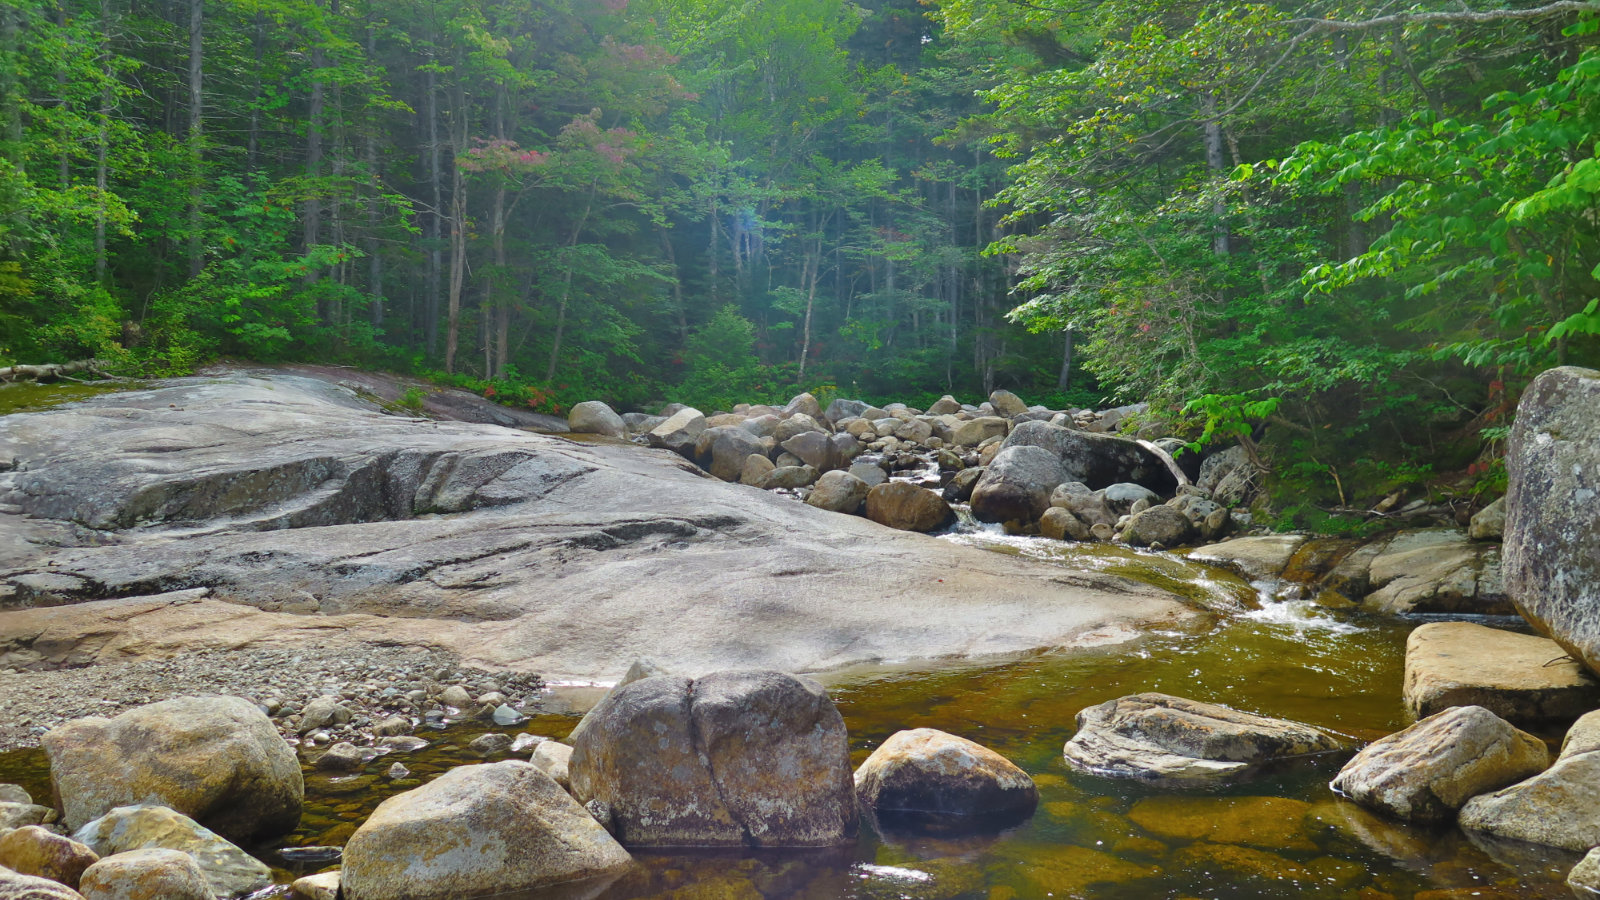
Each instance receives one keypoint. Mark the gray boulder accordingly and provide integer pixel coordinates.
(553, 758)
(218, 760)
(976, 431)
(960, 488)
(799, 423)
(841, 409)
(805, 404)
(929, 771)
(1060, 524)
(790, 477)
(906, 507)
(755, 470)
(639, 423)
(1164, 525)
(679, 432)
(230, 871)
(1097, 460)
(1121, 497)
(1552, 535)
(1088, 506)
(1171, 740)
(871, 474)
(1017, 485)
(729, 450)
(475, 831)
(1426, 772)
(1228, 476)
(1007, 404)
(734, 759)
(838, 492)
(1489, 523)
(1436, 570)
(595, 417)
(945, 406)
(812, 448)
(1555, 807)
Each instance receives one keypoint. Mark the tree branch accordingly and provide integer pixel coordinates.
(1463, 17)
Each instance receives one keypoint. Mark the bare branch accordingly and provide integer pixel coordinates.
(1462, 17)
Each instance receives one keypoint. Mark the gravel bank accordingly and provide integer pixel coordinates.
(372, 682)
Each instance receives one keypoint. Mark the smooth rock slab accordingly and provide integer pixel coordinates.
(734, 759)
(929, 771)
(1165, 739)
(1558, 807)
(230, 871)
(1260, 557)
(1523, 678)
(150, 874)
(476, 831)
(218, 760)
(1425, 773)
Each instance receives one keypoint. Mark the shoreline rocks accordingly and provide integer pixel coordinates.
(1555, 807)
(1522, 678)
(926, 771)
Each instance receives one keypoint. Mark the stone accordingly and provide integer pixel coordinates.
(1171, 740)
(490, 744)
(31, 850)
(806, 404)
(323, 712)
(507, 717)
(915, 431)
(790, 477)
(392, 727)
(929, 771)
(944, 406)
(15, 886)
(733, 759)
(554, 758)
(1163, 525)
(679, 432)
(755, 470)
(1436, 571)
(906, 507)
(1227, 476)
(812, 448)
(1061, 525)
(870, 474)
(1007, 404)
(839, 492)
(12, 793)
(1489, 523)
(148, 874)
(796, 425)
(730, 447)
(218, 760)
(1272, 823)
(1120, 498)
(456, 695)
(1426, 772)
(1089, 506)
(1552, 536)
(840, 409)
(231, 871)
(341, 757)
(1584, 879)
(402, 743)
(595, 417)
(976, 431)
(842, 448)
(639, 423)
(18, 815)
(397, 772)
(1097, 460)
(322, 886)
(476, 830)
(1016, 486)
(1522, 678)
(1555, 807)
(960, 488)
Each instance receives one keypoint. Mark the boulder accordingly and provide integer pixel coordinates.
(840, 409)
(15, 886)
(640, 423)
(1556, 807)
(476, 831)
(930, 771)
(218, 760)
(1089, 506)
(838, 492)
(554, 758)
(871, 474)
(1522, 678)
(1426, 772)
(790, 477)
(150, 874)
(640, 668)
(1552, 535)
(1257, 558)
(32, 850)
(1171, 740)
(231, 871)
(960, 488)
(1061, 525)
(1489, 523)
(1164, 525)
(976, 431)
(341, 757)
(324, 711)
(19, 815)
(322, 886)
(595, 417)
(1097, 460)
(1436, 571)
(1584, 879)
(755, 470)
(734, 759)
(729, 450)
(945, 406)
(812, 448)
(806, 404)
(1228, 476)
(1121, 497)
(1007, 404)
(906, 507)
(842, 448)
(1017, 485)
(799, 423)
(679, 432)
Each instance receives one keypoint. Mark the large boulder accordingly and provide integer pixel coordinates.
(1552, 535)
(1438, 570)
(1097, 460)
(1228, 476)
(1162, 525)
(1426, 772)
(1258, 557)
(1522, 678)
(945, 406)
(730, 448)
(840, 409)
(1007, 404)
(231, 871)
(1017, 485)
(476, 831)
(813, 449)
(1556, 807)
(805, 404)
(218, 760)
(930, 771)
(799, 423)
(152, 874)
(906, 507)
(976, 431)
(1171, 740)
(32, 850)
(16, 886)
(595, 417)
(734, 759)
(679, 432)
(1584, 879)
(838, 492)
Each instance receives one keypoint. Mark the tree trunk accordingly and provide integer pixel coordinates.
(458, 232)
(677, 285)
(252, 151)
(102, 143)
(1064, 380)
(1220, 239)
(375, 182)
(311, 234)
(434, 224)
(196, 132)
(566, 287)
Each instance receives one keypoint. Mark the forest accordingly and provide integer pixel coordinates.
(1344, 233)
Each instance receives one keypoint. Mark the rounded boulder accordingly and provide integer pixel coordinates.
(929, 771)
(595, 417)
(906, 507)
(152, 874)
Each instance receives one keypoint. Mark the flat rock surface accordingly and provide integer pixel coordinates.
(1521, 678)
(294, 513)
(1265, 556)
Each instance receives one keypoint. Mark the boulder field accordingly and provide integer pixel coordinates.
(275, 510)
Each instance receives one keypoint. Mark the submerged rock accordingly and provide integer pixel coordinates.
(1552, 535)
(231, 871)
(929, 771)
(475, 831)
(1425, 773)
(1556, 807)
(1522, 678)
(734, 759)
(150, 874)
(1166, 739)
(218, 760)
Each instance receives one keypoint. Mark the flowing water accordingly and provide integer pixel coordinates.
(1282, 835)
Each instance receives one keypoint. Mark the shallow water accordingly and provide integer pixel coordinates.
(27, 396)
(1282, 835)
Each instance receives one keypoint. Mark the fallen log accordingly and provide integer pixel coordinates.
(53, 371)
